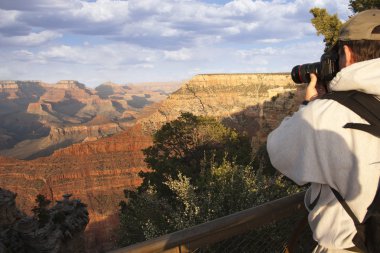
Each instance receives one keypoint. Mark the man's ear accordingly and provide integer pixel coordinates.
(350, 57)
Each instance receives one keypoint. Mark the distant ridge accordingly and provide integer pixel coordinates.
(39, 117)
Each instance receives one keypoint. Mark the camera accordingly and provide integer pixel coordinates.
(325, 70)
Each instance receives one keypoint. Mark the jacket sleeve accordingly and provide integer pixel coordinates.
(303, 146)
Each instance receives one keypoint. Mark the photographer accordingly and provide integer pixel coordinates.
(313, 147)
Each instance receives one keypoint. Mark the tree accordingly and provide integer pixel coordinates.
(329, 25)
(41, 211)
(228, 188)
(361, 5)
(200, 170)
(188, 145)
(326, 25)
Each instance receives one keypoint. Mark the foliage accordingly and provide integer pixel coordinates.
(361, 5)
(262, 162)
(41, 211)
(188, 145)
(329, 25)
(326, 25)
(201, 170)
(227, 189)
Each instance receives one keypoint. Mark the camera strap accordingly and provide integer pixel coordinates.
(365, 105)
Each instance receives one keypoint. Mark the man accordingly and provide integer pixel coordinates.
(313, 147)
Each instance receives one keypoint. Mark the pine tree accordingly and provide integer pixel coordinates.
(41, 211)
(326, 25)
(362, 5)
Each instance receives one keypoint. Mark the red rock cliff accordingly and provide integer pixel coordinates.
(95, 172)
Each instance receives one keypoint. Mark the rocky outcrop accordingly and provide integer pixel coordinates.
(9, 214)
(38, 118)
(39, 108)
(70, 85)
(242, 101)
(22, 89)
(8, 85)
(60, 137)
(254, 104)
(218, 95)
(61, 231)
(96, 172)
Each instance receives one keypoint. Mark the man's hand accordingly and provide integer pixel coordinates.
(314, 90)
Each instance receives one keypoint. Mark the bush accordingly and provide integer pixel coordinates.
(201, 170)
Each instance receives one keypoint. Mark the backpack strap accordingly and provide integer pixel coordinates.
(345, 206)
(359, 239)
(368, 107)
(365, 105)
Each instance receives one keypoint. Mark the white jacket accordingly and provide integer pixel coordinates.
(312, 146)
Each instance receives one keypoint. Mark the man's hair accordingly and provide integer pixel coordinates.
(363, 49)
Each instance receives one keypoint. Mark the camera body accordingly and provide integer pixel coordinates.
(325, 70)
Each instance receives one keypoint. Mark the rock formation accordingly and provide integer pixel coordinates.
(253, 103)
(219, 95)
(62, 231)
(9, 214)
(98, 171)
(38, 118)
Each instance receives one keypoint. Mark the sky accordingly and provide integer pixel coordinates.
(130, 41)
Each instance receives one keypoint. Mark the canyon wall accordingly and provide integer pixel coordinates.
(251, 103)
(38, 118)
(218, 95)
(97, 171)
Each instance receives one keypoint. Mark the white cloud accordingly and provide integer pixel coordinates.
(101, 55)
(8, 18)
(31, 39)
(175, 24)
(144, 66)
(157, 38)
(23, 54)
(179, 55)
(101, 11)
(38, 5)
(270, 41)
(260, 51)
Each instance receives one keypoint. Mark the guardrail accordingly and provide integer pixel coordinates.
(206, 234)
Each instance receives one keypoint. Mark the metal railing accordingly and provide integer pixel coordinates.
(202, 237)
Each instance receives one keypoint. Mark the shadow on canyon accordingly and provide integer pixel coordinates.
(101, 236)
(138, 102)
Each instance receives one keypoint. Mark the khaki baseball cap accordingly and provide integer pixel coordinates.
(362, 26)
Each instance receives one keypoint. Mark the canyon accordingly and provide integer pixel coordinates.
(97, 170)
(38, 118)
(250, 103)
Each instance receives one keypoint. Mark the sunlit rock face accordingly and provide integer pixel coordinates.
(38, 118)
(252, 103)
(97, 170)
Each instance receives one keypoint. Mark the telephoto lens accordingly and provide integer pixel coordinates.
(301, 73)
